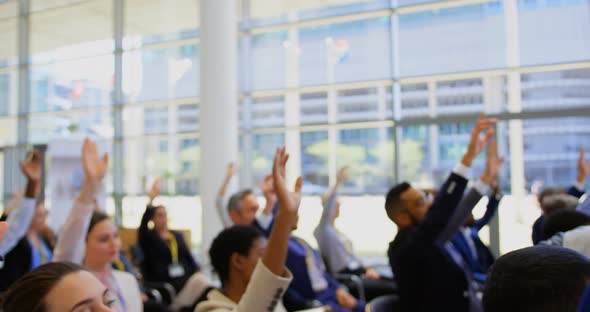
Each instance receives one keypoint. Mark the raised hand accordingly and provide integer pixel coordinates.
(493, 163)
(269, 194)
(478, 143)
(288, 201)
(95, 167)
(155, 190)
(345, 299)
(32, 166)
(343, 174)
(231, 170)
(583, 167)
(3, 229)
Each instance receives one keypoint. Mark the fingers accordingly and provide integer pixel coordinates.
(582, 154)
(298, 184)
(105, 159)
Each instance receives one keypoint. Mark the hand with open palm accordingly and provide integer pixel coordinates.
(288, 201)
(95, 168)
(583, 167)
(32, 167)
(477, 143)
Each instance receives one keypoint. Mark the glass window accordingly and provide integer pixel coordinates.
(187, 173)
(452, 40)
(414, 100)
(565, 39)
(415, 153)
(268, 112)
(359, 105)
(555, 90)
(263, 153)
(346, 52)
(314, 108)
(459, 96)
(151, 21)
(279, 12)
(63, 86)
(188, 118)
(8, 93)
(155, 120)
(145, 159)
(551, 149)
(8, 37)
(369, 154)
(268, 60)
(169, 73)
(315, 149)
(72, 31)
(44, 128)
(8, 8)
(7, 133)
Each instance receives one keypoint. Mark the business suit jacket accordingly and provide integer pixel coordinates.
(538, 225)
(428, 277)
(484, 257)
(157, 257)
(301, 293)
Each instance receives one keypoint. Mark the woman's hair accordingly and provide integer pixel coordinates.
(97, 217)
(29, 292)
(236, 239)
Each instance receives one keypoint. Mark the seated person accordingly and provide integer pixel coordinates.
(563, 221)
(577, 190)
(584, 305)
(90, 238)
(336, 249)
(25, 246)
(252, 273)
(540, 278)
(430, 272)
(243, 205)
(167, 258)
(58, 287)
(467, 241)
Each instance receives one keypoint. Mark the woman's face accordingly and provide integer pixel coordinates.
(79, 292)
(103, 243)
(160, 219)
(39, 218)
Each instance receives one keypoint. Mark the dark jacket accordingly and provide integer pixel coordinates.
(17, 262)
(157, 257)
(428, 277)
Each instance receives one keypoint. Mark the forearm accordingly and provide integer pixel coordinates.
(223, 188)
(276, 251)
(19, 221)
(71, 242)
(223, 213)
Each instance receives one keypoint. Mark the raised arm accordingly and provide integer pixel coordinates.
(330, 203)
(71, 243)
(265, 219)
(579, 187)
(149, 211)
(219, 201)
(20, 219)
(273, 271)
(491, 208)
(445, 203)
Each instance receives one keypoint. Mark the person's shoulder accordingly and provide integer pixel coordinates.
(125, 278)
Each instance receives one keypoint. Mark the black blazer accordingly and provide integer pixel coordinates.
(427, 276)
(157, 257)
(17, 263)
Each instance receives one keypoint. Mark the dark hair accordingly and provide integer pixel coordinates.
(557, 202)
(29, 292)
(563, 221)
(236, 199)
(540, 278)
(97, 217)
(393, 202)
(548, 191)
(236, 239)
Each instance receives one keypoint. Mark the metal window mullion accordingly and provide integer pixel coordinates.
(118, 25)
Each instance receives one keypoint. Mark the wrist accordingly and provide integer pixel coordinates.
(581, 179)
(467, 160)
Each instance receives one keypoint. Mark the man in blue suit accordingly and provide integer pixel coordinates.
(312, 285)
(430, 272)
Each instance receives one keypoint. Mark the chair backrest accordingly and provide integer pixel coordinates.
(387, 303)
(129, 238)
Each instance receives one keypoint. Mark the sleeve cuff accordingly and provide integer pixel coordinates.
(579, 186)
(264, 220)
(463, 171)
(482, 188)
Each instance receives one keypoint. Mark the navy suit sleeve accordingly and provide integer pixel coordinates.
(268, 230)
(293, 301)
(442, 209)
(143, 233)
(187, 253)
(460, 214)
(491, 209)
(575, 192)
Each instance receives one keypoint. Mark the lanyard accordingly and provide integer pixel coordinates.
(119, 265)
(173, 246)
(310, 258)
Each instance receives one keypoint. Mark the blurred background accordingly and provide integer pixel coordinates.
(389, 88)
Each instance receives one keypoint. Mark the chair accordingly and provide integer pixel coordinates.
(348, 280)
(387, 303)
